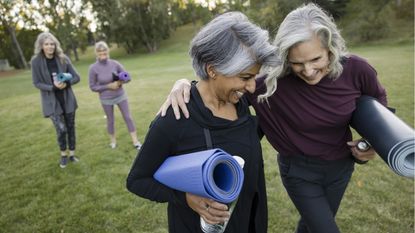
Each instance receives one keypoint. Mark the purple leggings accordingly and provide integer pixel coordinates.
(109, 111)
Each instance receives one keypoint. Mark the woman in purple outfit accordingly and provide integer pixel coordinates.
(111, 92)
(306, 119)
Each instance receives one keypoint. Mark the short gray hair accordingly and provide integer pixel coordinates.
(101, 46)
(301, 25)
(231, 44)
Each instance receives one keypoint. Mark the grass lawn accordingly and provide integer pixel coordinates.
(38, 196)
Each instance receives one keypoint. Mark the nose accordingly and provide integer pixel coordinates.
(250, 85)
(308, 69)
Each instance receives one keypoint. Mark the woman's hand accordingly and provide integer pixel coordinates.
(59, 85)
(359, 154)
(114, 85)
(178, 97)
(211, 211)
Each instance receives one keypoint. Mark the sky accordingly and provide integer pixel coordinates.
(76, 5)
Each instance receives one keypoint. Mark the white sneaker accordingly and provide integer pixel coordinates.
(113, 145)
(137, 145)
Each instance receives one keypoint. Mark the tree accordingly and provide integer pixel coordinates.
(136, 23)
(69, 24)
(9, 17)
(361, 24)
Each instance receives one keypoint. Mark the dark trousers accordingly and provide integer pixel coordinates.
(316, 188)
(65, 130)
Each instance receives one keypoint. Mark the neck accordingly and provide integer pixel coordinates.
(49, 56)
(103, 61)
(211, 100)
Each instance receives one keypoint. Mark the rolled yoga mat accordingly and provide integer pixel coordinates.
(123, 76)
(211, 173)
(62, 77)
(392, 138)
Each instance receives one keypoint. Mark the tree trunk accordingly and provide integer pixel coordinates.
(146, 38)
(74, 50)
(398, 3)
(12, 33)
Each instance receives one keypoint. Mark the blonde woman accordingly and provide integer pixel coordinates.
(111, 92)
(58, 99)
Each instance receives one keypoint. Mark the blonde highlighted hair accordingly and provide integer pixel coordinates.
(41, 38)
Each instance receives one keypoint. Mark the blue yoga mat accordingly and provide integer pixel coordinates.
(393, 139)
(62, 77)
(211, 173)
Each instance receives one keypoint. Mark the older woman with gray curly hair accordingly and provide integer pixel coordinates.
(304, 107)
(58, 100)
(227, 54)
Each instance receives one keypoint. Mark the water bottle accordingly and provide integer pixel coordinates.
(220, 227)
(55, 77)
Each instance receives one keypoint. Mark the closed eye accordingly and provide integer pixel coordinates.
(247, 78)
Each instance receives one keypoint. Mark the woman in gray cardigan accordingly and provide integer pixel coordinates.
(54, 75)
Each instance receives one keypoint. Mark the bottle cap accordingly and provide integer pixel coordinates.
(240, 160)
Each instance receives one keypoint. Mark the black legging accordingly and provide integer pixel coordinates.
(65, 130)
(316, 188)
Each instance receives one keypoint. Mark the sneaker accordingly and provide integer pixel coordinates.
(63, 162)
(137, 145)
(73, 158)
(113, 145)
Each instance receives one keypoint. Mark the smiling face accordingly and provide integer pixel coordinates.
(102, 55)
(309, 60)
(48, 48)
(231, 88)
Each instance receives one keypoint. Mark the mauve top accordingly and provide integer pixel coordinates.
(313, 120)
(100, 74)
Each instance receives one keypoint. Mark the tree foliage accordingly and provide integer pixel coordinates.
(367, 25)
(140, 25)
(68, 24)
(10, 14)
(136, 23)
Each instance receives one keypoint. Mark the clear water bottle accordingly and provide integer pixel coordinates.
(55, 77)
(220, 227)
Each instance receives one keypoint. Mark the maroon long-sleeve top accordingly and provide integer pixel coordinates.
(313, 120)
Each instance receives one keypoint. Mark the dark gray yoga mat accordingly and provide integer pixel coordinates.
(392, 139)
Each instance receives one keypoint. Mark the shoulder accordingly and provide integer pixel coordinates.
(356, 65)
(35, 59)
(93, 66)
(168, 125)
(67, 59)
(114, 62)
(354, 61)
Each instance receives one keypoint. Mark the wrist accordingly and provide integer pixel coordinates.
(358, 161)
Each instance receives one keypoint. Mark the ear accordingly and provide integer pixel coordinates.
(211, 71)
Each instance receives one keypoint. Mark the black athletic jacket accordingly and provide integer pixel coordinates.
(168, 136)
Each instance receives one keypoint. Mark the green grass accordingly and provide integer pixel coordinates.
(38, 196)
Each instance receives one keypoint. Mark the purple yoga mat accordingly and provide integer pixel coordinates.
(123, 76)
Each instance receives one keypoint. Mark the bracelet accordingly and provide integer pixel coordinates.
(358, 161)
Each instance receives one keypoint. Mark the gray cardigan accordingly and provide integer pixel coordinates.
(42, 80)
